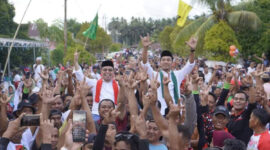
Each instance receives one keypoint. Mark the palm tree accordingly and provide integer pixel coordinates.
(222, 10)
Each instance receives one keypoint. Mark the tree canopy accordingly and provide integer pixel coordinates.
(129, 33)
(218, 40)
(85, 56)
(100, 44)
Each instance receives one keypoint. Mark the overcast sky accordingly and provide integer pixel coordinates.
(85, 10)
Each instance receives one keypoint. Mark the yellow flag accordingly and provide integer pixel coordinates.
(183, 10)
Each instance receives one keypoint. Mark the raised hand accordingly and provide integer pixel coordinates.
(46, 127)
(146, 40)
(4, 98)
(132, 83)
(69, 71)
(44, 74)
(121, 80)
(146, 100)
(192, 43)
(14, 127)
(111, 116)
(76, 57)
(69, 143)
(204, 95)
(189, 86)
(195, 79)
(174, 111)
(142, 74)
(265, 101)
(77, 99)
(64, 81)
(47, 96)
(154, 84)
(229, 77)
(60, 74)
(152, 96)
(259, 71)
(87, 73)
(247, 81)
(140, 126)
(166, 80)
(84, 89)
(252, 95)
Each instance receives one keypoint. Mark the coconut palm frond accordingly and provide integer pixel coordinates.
(244, 5)
(187, 31)
(244, 19)
(199, 34)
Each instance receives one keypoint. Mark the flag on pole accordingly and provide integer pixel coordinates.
(183, 11)
(91, 32)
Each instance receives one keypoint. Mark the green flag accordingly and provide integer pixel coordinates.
(91, 32)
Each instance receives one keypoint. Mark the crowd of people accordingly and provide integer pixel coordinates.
(138, 103)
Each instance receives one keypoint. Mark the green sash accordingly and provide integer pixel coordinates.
(175, 88)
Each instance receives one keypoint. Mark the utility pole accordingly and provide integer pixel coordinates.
(65, 27)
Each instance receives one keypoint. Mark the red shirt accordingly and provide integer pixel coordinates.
(259, 141)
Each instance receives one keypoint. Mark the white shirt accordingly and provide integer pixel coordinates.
(266, 87)
(105, 93)
(37, 70)
(65, 115)
(250, 70)
(27, 140)
(17, 78)
(95, 75)
(259, 141)
(180, 75)
(207, 77)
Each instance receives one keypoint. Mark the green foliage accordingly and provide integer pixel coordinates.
(7, 12)
(85, 56)
(194, 27)
(264, 44)
(100, 44)
(73, 26)
(45, 54)
(55, 32)
(42, 27)
(129, 33)
(251, 41)
(244, 19)
(57, 55)
(115, 47)
(164, 38)
(19, 56)
(221, 11)
(218, 40)
(248, 39)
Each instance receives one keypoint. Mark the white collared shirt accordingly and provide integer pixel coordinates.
(26, 141)
(180, 75)
(95, 75)
(105, 93)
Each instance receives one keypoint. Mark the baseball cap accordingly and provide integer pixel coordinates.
(22, 104)
(33, 98)
(222, 110)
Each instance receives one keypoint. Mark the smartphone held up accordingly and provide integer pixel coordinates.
(30, 120)
(79, 126)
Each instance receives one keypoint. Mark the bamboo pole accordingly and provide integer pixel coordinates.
(14, 37)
